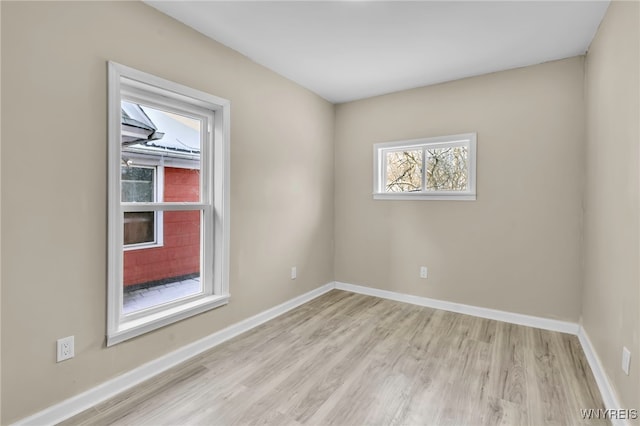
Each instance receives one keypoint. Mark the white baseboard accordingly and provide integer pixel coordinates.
(609, 396)
(106, 390)
(510, 317)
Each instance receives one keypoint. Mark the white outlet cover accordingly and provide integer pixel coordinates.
(626, 360)
(423, 272)
(65, 348)
(294, 272)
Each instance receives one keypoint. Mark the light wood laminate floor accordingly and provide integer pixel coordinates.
(349, 359)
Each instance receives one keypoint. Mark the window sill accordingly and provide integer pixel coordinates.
(138, 326)
(423, 196)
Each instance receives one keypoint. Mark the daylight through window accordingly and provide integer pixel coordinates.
(168, 232)
(441, 168)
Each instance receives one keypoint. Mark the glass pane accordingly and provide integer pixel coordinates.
(181, 184)
(158, 275)
(139, 227)
(151, 136)
(446, 169)
(404, 171)
(137, 184)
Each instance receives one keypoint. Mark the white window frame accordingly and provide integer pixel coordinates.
(158, 225)
(214, 203)
(379, 167)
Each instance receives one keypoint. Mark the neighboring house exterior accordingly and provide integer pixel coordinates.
(160, 162)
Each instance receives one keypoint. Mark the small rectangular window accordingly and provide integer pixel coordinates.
(139, 228)
(139, 186)
(440, 168)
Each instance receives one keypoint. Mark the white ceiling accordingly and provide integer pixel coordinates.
(347, 50)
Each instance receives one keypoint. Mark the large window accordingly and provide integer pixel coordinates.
(441, 168)
(168, 202)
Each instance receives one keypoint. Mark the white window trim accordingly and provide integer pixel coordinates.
(215, 190)
(379, 167)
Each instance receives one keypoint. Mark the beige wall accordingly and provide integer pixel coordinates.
(611, 295)
(54, 182)
(517, 248)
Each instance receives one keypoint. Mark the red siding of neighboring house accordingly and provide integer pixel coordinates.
(180, 254)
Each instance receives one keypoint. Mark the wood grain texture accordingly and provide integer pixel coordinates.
(350, 359)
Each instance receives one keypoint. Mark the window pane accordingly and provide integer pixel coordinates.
(137, 184)
(139, 227)
(152, 136)
(158, 275)
(181, 185)
(446, 169)
(404, 171)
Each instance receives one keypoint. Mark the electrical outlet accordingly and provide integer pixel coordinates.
(423, 272)
(294, 272)
(66, 348)
(626, 360)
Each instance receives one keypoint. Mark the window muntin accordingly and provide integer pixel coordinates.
(441, 168)
(168, 160)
